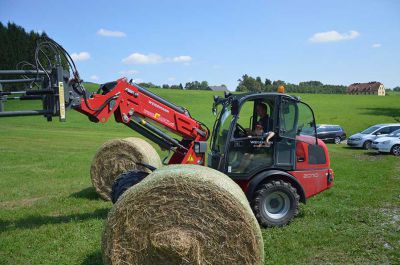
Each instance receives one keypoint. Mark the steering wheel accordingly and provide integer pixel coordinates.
(240, 131)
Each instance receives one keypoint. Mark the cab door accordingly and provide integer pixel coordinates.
(285, 144)
(247, 154)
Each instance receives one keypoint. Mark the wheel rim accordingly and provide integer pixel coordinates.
(276, 205)
(396, 150)
(368, 145)
(337, 140)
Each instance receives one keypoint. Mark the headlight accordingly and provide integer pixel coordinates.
(355, 139)
(386, 142)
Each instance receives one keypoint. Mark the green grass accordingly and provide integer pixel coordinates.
(50, 214)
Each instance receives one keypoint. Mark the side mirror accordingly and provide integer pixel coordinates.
(235, 107)
(215, 104)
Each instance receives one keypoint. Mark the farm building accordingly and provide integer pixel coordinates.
(219, 88)
(371, 88)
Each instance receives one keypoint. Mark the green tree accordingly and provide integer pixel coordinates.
(17, 45)
(196, 85)
(148, 85)
(177, 86)
(248, 83)
(241, 88)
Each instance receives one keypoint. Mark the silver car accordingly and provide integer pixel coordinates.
(365, 138)
(388, 144)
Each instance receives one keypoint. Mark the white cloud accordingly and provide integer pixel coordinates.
(330, 36)
(81, 56)
(139, 58)
(376, 45)
(128, 72)
(111, 33)
(94, 77)
(171, 79)
(153, 58)
(182, 58)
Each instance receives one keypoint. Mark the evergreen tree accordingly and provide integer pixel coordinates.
(16, 45)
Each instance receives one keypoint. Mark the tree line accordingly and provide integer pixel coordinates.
(250, 84)
(195, 85)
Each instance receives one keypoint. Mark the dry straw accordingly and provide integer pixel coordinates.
(183, 214)
(117, 156)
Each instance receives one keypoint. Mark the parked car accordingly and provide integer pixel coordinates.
(331, 133)
(388, 144)
(365, 138)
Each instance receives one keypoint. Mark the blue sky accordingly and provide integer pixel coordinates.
(168, 42)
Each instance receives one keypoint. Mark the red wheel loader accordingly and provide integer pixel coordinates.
(275, 178)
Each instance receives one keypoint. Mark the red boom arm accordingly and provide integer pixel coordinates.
(135, 106)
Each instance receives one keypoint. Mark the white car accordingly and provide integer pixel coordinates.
(365, 138)
(388, 144)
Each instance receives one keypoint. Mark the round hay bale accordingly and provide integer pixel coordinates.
(183, 214)
(117, 156)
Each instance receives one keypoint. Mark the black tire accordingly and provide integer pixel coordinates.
(124, 181)
(367, 145)
(275, 203)
(395, 150)
(337, 140)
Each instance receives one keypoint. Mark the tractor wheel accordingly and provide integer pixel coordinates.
(337, 140)
(367, 145)
(275, 203)
(124, 181)
(396, 150)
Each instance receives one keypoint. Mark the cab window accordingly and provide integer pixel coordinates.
(244, 122)
(288, 118)
(306, 122)
(248, 150)
(249, 117)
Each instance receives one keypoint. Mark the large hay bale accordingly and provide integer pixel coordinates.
(183, 214)
(117, 156)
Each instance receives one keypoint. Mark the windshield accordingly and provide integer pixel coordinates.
(395, 133)
(370, 130)
(220, 133)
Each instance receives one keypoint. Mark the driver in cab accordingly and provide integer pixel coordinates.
(263, 125)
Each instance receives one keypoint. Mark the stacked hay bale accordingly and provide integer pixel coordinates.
(183, 214)
(118, 156)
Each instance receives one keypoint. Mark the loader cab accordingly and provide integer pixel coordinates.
(238, 146)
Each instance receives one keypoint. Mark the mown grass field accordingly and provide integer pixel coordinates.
(50, 214)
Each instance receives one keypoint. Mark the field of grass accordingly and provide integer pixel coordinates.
(50, 214)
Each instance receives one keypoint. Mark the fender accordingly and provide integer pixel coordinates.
(274, 174)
